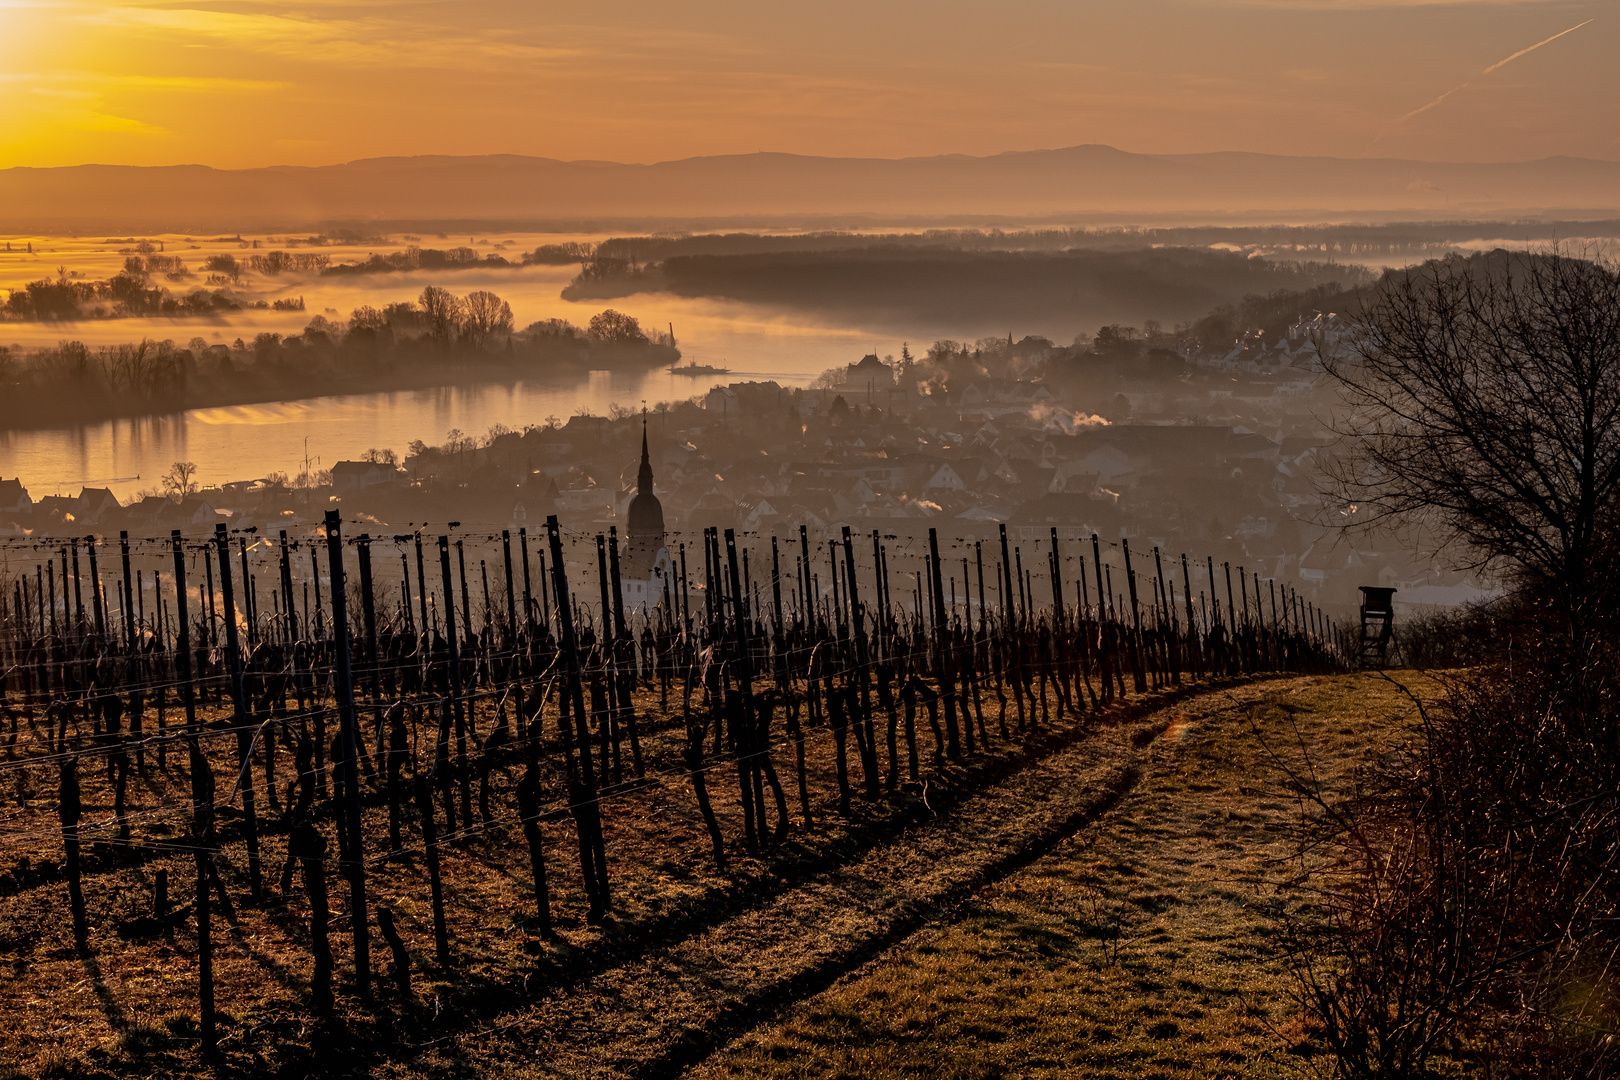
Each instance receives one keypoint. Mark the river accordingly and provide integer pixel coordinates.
(249, 441)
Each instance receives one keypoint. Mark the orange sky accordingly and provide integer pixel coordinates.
(237, 83)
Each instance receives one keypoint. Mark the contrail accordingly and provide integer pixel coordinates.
(1499, 64)
(1533, 48)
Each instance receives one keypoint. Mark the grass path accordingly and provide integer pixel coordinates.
(1145, 944)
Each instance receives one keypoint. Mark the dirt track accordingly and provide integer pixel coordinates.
(670, 1010)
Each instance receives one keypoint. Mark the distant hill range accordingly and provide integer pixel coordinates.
(1083, 183)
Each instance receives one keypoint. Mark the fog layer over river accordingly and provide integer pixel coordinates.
(245, 442)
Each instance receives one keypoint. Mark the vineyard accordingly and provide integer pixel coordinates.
(445, 777)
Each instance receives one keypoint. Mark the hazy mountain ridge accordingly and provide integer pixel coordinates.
(1080, 179)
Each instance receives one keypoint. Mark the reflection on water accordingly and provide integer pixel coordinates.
(244, 442)
(247, 441)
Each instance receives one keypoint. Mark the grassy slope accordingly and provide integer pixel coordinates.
(1145, 945)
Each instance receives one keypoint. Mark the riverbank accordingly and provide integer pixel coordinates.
(74, 386)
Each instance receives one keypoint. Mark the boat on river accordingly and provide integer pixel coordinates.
(695, 368)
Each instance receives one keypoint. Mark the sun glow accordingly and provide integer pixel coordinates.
(236, 84)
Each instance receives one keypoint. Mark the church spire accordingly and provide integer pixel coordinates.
(644, 478)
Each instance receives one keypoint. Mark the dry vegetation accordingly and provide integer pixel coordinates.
(1151, 943)
(1096, 897)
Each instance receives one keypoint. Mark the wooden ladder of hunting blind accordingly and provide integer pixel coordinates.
(1377, 625)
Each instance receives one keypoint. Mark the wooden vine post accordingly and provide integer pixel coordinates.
(244, 734)
(586, 806)
(350, 728)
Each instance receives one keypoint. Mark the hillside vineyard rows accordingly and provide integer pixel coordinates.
(437, 760)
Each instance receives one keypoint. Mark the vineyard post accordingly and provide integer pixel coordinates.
(1005, 585)
(528, 596)
(95, 588)
(1278, 624)
(511, 598)
(804, 552)
(129, 610)
(1195, 653)
(483, 576)
(68, 809)
(244, 738)
(466, 601)
(545, 595)
(686, 597)
(776, 587)
(421, 584)
(946, 682)
(607, 645)
(1023, 593)
(213, 614)
(78, 592)
(1259, 614)
(250, 616)
(879, 608)
(593, 854)
(1137, 674)
(350, 727)
(1168, 601)
(315, 578)
(406, 609)
(368, 612)
(708, 580)
(744, 723)
(182, 646)
(430, 847)
(290, 615)
(832, 578)
(528, 794)
(133, 664)
(1231, 606)
(1057, 580)
(868, 745)
(624, 650)
(1105, 636)
(455, 680)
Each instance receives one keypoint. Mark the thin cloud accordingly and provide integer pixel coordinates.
(1533, 48)
(1420, 110)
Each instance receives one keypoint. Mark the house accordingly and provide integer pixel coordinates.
(945, 477)
(349, 477)
(869, 369)
(95, 503)
(759, 515)
(191, 512)
(593, 501)
(57, 509)
(14, 497)
(150, 513)
(722, 401)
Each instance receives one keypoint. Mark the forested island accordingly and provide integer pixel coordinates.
(436, 340)
(1166, 284)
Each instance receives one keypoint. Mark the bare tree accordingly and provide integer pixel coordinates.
(441, 312)
(484, 317)
(180, 480)
(1485, 405)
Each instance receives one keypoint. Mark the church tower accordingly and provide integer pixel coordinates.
(646, 560)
